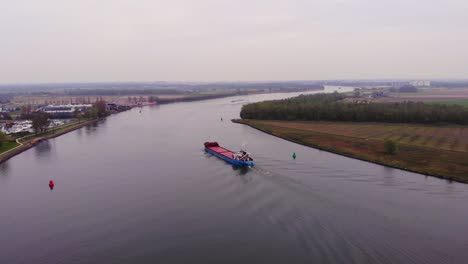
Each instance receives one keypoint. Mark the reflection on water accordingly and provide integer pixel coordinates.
(4, 169)
(79, 132)
(43, 149)
(244, 173)
(241, 170)
(92, 128)
(388, 176)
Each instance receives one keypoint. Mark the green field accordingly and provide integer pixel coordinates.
(431, 150)
(7, 146)
(463, 102)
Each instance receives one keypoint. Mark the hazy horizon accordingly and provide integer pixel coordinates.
(332, 81)
(55, 41)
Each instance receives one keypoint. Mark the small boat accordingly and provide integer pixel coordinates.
(240, 158)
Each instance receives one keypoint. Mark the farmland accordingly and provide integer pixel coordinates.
(453, 138)
(433, 150)
(463, 102)
(442, 95)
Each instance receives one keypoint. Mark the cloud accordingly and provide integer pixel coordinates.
(117, 40)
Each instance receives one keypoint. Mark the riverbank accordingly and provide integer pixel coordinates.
(428, 150)
(30, 141)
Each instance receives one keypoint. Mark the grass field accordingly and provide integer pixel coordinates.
(7, 146)
(459, 102)
(447, 138)
(427, 95)
(431, 150)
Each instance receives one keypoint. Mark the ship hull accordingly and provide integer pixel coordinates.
(227, 155)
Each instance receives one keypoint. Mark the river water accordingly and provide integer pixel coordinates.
(138, 188)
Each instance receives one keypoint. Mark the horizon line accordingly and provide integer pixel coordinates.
(240, 81)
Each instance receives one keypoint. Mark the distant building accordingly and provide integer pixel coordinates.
(8, 109)
(63, 111)
(111, 106)
(420, 83)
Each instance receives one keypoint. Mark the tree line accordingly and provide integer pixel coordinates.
(330, 107)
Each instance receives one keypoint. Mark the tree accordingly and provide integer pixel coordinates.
(152, 98)
(91, 113)
(391, 147)
(40, 122)
(77, 114)
(26, 109)
(3, 138)
(331, 107)
(101, 107)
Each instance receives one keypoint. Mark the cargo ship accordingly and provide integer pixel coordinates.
(240, 158)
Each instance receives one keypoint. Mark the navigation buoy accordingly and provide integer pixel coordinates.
(51, 184)
(221, 119)
(294, 155)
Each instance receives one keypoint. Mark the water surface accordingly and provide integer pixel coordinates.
(138, 188)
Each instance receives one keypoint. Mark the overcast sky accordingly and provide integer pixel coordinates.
(216, 40)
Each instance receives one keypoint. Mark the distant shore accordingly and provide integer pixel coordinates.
(135, 99)
(433, 160)
(191, 98)
(200, 97)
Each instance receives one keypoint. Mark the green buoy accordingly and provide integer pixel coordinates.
(294, 155)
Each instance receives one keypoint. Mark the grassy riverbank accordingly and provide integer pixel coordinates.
(430, 150)
(11, 149)
(6, 146)
(55, 132)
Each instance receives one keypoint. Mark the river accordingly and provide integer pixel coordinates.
(138, 188)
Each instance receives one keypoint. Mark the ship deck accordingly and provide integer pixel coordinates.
(222, 151)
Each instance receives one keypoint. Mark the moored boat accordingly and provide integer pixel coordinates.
(240, 158)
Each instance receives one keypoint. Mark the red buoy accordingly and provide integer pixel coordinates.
(51, 184)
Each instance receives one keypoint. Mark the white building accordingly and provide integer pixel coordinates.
(420, 83)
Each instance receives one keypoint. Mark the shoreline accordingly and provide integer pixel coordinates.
(223, 95)
(37, 139)
(344, 153)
